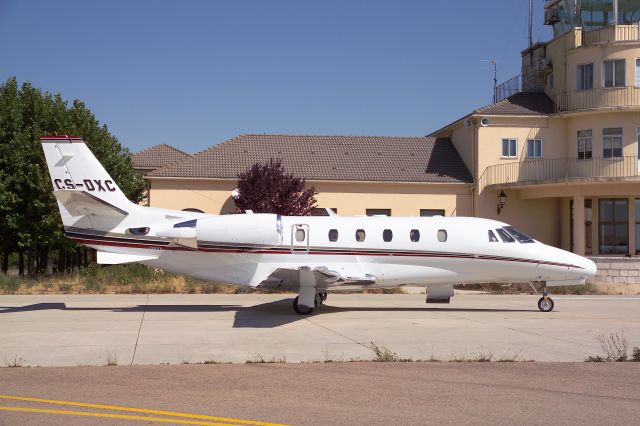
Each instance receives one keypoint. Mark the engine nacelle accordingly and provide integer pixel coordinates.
(439, 293)
(263, 229)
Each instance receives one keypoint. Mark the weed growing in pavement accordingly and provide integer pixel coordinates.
(509, 357)
(383, 354)
(13, 363)
(614, 349)
(258, 359)
(112, 359)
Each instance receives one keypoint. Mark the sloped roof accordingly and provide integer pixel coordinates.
(523, 103)
(158, 156)
(339, 158)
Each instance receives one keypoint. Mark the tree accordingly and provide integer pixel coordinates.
(29, 220)
(266, 188)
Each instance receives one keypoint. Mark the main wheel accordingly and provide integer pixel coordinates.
(545, 305)
(303, 310)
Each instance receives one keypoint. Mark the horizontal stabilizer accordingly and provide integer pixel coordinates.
(81, 203)
(109, 258)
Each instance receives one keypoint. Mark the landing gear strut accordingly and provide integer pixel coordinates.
(305, 310)
(545, 304)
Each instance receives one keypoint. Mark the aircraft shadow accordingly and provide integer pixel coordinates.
(265, 315)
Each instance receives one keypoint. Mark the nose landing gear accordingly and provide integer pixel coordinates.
(545, 304)
(305, 310)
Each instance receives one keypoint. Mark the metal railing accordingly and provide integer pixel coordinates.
(560, 170)
(507, 88)
(605, 97)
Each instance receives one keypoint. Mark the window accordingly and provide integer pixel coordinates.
(612, 142)
(534, 148)
(414, 235)
(138, 231)
(321, 211)
(300, 235)
(492, 237)
(613, 72)
(360, 235)
(387, 235)
(521, 237)
(378, 212)
(637, 226)
(585, 77)
(504, 236)
(638, 72)
(509, 148)
(442, 235)
(187, 224)
(613, 215)
(333, 235)
(584, 144)
(431, 212)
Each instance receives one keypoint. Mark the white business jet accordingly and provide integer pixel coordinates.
(311, 255)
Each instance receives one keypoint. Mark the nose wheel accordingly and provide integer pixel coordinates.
(545, 304)
(305, 310)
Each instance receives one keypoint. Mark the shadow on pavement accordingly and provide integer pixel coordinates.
(265, 315)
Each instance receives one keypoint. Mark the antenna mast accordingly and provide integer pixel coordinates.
(530, 23)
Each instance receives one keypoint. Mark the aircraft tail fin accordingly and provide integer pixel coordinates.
(87, 196)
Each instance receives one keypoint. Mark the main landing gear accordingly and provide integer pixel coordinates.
(545, 304)
(305, 310)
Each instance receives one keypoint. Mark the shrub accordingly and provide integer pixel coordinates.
(614, 346)
(9, 284)
(383, 354)
(635, 355)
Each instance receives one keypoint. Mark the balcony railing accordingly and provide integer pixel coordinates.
(607, 97)
(560, 170)
(613, 33)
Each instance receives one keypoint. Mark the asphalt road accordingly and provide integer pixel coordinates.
(326, 393)
(71, 330)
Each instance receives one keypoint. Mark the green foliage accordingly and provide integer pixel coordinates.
(9, 284)
(29, 218)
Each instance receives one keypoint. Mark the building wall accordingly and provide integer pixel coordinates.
(596, 121)
(350, 198)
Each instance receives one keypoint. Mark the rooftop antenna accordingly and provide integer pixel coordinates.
(530, 23)
(494, 69)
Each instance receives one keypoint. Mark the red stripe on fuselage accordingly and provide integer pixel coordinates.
(316, 252)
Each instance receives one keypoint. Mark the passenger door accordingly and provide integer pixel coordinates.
(300, 238)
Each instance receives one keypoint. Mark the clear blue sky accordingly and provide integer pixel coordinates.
(195, 73)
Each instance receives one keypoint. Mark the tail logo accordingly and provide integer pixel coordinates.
(90, 185)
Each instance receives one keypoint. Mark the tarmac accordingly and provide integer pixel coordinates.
(72, 330)
(368, 393)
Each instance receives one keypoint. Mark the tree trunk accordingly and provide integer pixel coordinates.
(5, 261)
(62, 264)
(21, 262)
(79, 256)
(43, 260)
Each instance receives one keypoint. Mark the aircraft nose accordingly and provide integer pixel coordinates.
(589, 267)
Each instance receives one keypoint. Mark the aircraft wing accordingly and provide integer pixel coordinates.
(289, 278)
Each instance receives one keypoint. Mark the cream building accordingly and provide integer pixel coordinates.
(353, 175)
(557, 155)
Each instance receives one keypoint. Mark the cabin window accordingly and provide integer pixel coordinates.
(300, 235)
(333, 235)
(414, 235)
(138, 231)
(360, 235)
(387, 235)
(504, 236)
(442, 235)
(492, 237)
(188, 224)
(522, 238)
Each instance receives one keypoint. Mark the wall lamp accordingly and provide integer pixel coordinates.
(502, 198)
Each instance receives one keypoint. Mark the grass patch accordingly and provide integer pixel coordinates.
(615, 348)
(14, 363)
(112, 359)
(258, 359)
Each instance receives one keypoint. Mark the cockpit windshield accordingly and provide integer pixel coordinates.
(522, 238)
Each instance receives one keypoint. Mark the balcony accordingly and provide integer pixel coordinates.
(611, 34)
(560, 170)
(627, 97)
